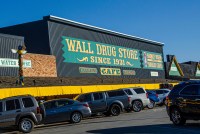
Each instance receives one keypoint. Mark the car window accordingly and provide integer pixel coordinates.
(1, 107)
(98, 96)
(85, 98)
(128, 91)
(17, 105)
(159, 91)
(62, 103)
(190, 90)
(12, 104)
(165, 91)
(27, 102)
(111, 93)
(139, 90)
(120, 93)
(49, 105)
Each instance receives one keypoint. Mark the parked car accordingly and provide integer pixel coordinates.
(109, 103)
(20, 111)
(138, 98)
(183, 102)
(153, 97)
(162, 94)
(60, 110)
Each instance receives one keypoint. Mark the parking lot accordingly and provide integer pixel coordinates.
(144, 122)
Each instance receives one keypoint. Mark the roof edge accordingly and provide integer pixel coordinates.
(63, 20)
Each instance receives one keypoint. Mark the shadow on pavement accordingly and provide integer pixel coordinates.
(193, 128)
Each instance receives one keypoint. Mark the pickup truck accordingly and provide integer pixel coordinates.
(109, 102)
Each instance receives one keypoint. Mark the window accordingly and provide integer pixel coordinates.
(28, 102)
(85, 98)
(111, 93)
(116, 93)
(120, 93)
(17, 104)
(165, 91)
(139, 90)
(12, 105)
(62, 103)
(49, 105)
(1, 107)
(190, 90)
(159, 91)
(98, 96)
(128, 92)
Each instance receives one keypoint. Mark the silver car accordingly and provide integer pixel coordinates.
(162, 94)
(21, 111)
(138, 98)
(65, 110)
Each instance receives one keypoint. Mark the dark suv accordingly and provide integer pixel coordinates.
(183, 102)
(21, 111)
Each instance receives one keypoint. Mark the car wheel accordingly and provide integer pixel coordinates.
(75, 117)
(151, 104)
(115, 110)
(176, 117)
(137, 106)
(26, 125)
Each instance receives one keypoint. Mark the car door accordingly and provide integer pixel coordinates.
(12, 109)
(188, 98)
(58, 110)
(198, 101)
(98, 104)
(50, 112)
(63, 109)
(1, 114)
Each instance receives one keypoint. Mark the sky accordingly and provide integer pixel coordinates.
(176, 23)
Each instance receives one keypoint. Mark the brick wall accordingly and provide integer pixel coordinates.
(41, 65)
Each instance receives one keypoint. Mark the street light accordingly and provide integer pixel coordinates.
(20, 51)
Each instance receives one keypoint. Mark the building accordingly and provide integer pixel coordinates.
(86, 51)
(72, 58)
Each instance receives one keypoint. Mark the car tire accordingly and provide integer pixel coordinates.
(115, 110)
(75, 117)
(137, 106)
(177, 117)
(151, 105)
(26, 125)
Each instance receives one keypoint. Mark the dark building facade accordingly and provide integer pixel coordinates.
(87, 51)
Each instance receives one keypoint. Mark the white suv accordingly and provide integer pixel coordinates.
(139, 98)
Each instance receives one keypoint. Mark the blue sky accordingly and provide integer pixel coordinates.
(176, 23)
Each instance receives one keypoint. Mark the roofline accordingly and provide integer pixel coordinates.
(11, 36)
(67, 21)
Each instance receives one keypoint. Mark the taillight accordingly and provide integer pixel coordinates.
(38, 110)
(85, 105)
(129, 99)
(156, 95)
(147, 95)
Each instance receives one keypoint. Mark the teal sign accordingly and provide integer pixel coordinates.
(174, 70)
(152, 60)
(95, 53)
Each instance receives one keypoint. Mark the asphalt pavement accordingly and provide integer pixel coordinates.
(154, 121)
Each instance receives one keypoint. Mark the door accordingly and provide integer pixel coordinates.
(1, 113)
(12, 109)
(98, 104)
(188, 99)
(57, 111)
(198, 101)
